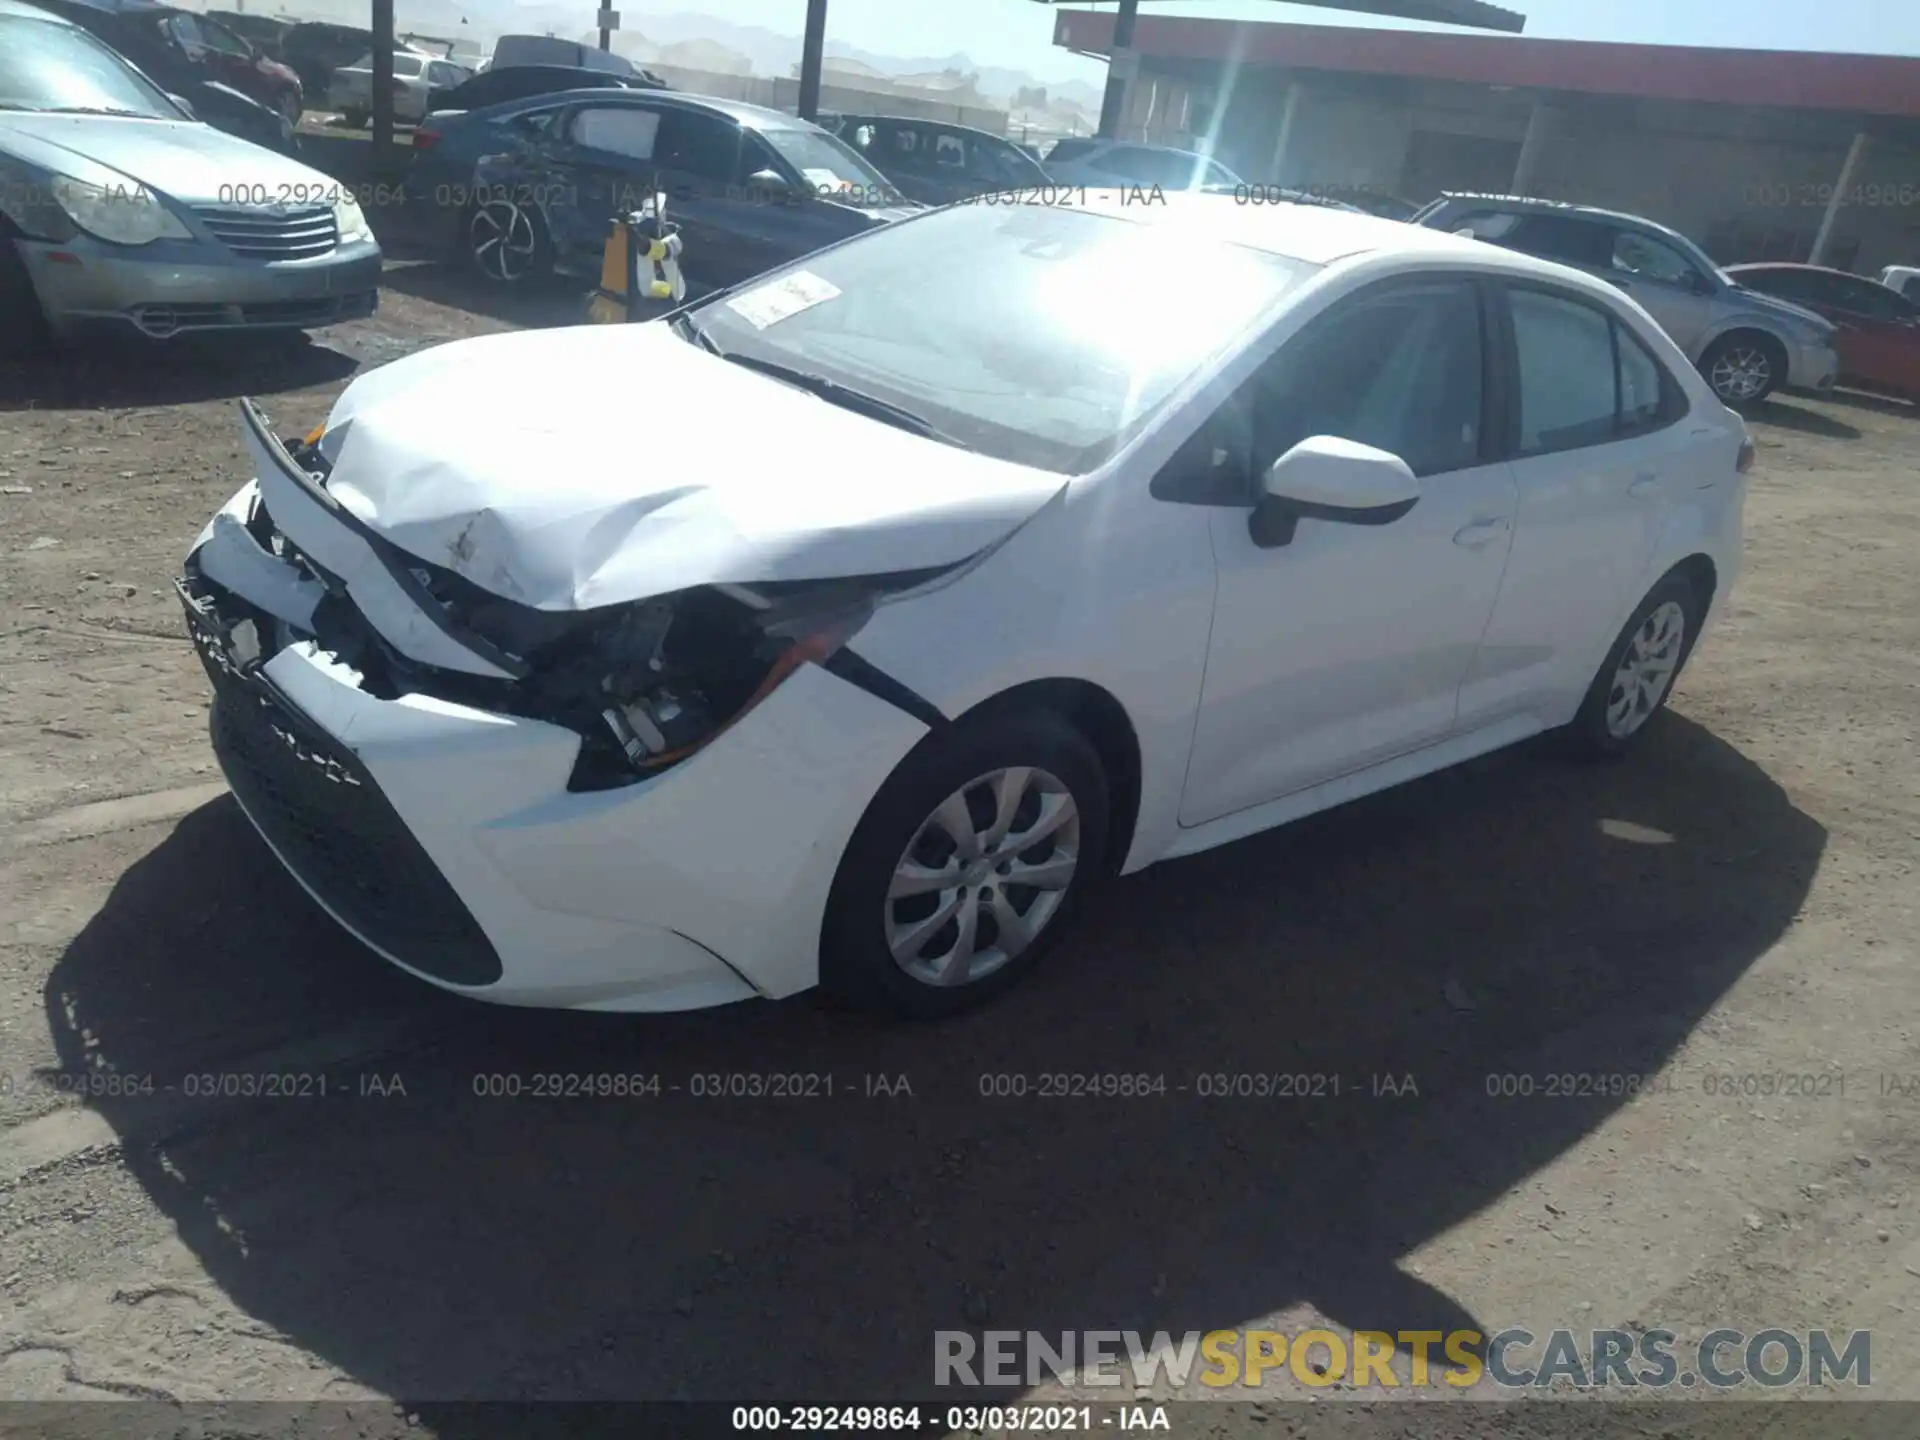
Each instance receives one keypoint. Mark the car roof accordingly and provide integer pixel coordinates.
(1555, 207)
(1752, 265)
(865, 117)
(756, 117)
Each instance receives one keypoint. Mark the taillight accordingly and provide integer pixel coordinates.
(1747, 454)
(425, 139)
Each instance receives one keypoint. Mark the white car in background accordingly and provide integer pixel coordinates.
(415, 77)
(893, 616)
(1904, 278)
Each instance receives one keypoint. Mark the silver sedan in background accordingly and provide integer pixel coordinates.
(119, 210)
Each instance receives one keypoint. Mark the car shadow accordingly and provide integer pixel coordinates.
(1880, 404)
(1516, 915)
(182, 371)
(533, 303)
(1776, 411)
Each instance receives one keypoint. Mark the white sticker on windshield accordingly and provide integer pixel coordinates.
(767, 304)
(825, 181)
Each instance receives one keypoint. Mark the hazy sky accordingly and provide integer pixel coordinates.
(1019, 33)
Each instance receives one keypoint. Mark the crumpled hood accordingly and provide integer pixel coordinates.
(587, 466)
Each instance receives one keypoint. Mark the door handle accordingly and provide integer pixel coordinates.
(1479, 534)
(1643, 485)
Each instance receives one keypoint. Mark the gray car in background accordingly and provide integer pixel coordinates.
(118, 210)
(1746, 344)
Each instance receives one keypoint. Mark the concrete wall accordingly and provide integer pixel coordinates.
(781, 93)
(1740, 181)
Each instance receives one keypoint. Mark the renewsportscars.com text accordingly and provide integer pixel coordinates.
(1513, 1359)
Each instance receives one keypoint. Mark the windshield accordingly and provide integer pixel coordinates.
(831, 167)
(45, 65)
(1049, 338)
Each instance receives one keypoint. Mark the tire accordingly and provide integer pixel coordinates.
(355, 119)
(506, 243)
(1744, 367)
(290, 107)
(23, 324)
(1601, 729)
(1055, 778)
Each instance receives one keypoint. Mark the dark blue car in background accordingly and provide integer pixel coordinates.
(530, 187)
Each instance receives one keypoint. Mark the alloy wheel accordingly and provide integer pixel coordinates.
(983, 876)
(1646, 669)
(1740, 372)
(503, 240)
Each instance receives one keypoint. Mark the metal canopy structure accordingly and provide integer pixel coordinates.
(1122, 62)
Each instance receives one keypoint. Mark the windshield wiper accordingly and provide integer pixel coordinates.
(98, 110)
(832, 391)
(845, 396)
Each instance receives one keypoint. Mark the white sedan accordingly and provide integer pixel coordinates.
(415, 77)
(848, 627)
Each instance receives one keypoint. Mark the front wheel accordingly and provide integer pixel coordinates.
(967, 867)
(1744, 368)
(1639, 672)
(506, 242)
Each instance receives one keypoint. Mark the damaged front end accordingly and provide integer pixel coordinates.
(645, 684)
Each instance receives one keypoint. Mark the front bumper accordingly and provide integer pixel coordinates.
(1813, 367)
(172, 287)
(445, 837)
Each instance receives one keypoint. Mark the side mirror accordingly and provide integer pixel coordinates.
(1327, 478)
(772, 187)
(184, 104)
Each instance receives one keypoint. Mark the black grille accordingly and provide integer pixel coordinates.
(274, 235)
(324, 814)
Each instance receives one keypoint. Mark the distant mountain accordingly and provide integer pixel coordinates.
(695, 41)
(774, 53)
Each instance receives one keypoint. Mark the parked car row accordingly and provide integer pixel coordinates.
(220, 76)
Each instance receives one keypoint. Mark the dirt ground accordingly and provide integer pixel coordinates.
(1738, 899)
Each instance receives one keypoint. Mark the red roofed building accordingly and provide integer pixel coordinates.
(1751, 152)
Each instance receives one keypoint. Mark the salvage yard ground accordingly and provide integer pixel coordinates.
(1736, 900)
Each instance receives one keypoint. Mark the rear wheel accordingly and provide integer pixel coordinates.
(1638, 675)
(1745, 367)
(967, 867)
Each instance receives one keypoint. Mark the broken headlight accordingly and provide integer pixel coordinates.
(650, 683)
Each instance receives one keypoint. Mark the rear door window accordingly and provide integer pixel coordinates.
(627, 130)
(1562, 238)
(1647, 257)
(1584, 378)
(1568, 394)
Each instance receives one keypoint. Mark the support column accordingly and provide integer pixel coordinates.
(1288, 109)
(813, 48)
(1855, 153)
(1122, 65)
(382, 97)
(1539, 126)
